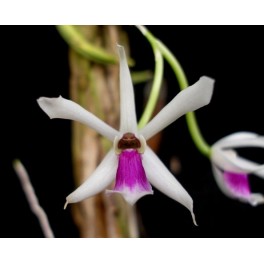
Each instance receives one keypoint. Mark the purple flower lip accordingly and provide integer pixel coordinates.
(131, 180)
(238, 183)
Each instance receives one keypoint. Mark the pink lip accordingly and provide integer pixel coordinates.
(238, 183)
(130, 176)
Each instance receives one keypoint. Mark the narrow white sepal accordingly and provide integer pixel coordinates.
(241, 140)
(250, 166)
(224, 159)
(128, 119)
(219, 178)
(67, 109)
(161, 178)
(235, 163)
(227, 159)
(190, 99)
(235, 136)
(98, 181)
(256, 199)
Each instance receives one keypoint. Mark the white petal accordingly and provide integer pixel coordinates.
(161, 178)
(241, 139)
(246, 165)
(128, 119)
(67, 109)
(190, 99)
(256, 199)
(224, 159)
(219, 178)
(250, 166)
(227, 159)
(236, 136)
(99, 180)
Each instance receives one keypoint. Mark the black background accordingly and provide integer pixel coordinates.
(34, 63)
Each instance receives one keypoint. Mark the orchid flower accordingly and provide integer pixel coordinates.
(232, 171)
(131, 163)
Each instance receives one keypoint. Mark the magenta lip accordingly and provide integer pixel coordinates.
(238, 183)
(131, 180)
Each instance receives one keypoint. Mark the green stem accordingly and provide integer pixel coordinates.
(158, 75)
(77, 42)
(194, 130)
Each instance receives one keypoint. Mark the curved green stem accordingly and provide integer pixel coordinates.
(194, 130)
(158, 74)
(76, 40)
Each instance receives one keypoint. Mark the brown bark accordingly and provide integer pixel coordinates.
(96, 87)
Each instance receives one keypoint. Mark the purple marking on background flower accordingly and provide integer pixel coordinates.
(130, 172)
(238, 183)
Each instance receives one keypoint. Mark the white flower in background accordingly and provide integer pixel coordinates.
(131, 163)
(232, 171)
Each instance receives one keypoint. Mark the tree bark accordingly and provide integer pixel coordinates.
(96, 87)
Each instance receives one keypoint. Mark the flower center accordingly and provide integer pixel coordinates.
(129, 141)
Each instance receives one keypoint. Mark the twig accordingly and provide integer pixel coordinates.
(32, 198)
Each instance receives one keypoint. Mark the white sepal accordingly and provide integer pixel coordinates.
(236, 136)
(227, 159)
(190, 99)
(128, 119)
(67, 109)
(219, 178)
(98, 181)
(161, 178)
(250, 166)
(224, 159)
(256, 199)
(230, 161)
(241, 140)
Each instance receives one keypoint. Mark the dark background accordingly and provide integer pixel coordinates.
(34, 63)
